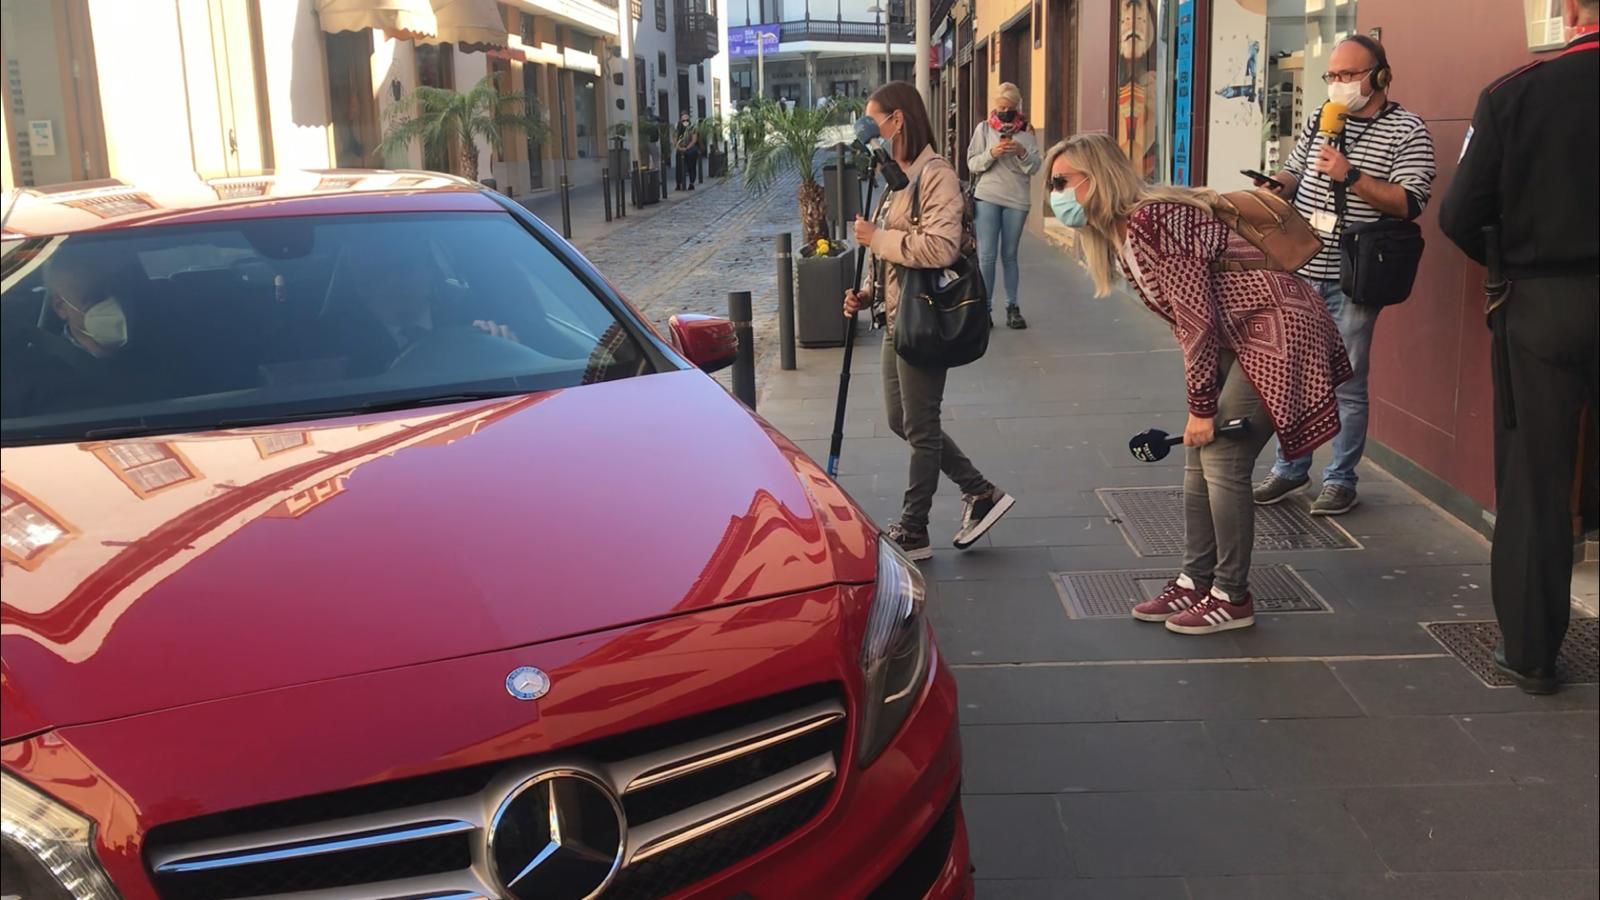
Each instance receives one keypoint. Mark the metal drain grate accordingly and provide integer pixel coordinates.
(1152, 520)
(1473, 643)
(1107, 594)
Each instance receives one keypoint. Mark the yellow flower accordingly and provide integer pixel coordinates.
(822, 246)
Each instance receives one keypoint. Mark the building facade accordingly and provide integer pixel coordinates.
(1195, 90)
(99, 89)
(813, 50)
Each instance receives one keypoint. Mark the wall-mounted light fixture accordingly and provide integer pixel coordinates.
(394, 89)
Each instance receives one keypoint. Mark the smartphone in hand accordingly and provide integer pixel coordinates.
(1263, 180)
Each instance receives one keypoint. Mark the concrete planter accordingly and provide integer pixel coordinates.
(819, 297)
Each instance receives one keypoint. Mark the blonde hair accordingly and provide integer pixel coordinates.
(1115, 191)
(1009, 91)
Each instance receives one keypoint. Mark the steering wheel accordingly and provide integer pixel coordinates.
(443, 349)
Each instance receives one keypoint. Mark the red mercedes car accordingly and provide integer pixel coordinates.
(361, 542)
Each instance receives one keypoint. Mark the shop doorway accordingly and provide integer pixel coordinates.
(533, 91)
(980, 85)
(964, 125)
(683, 93)
(1060, 71)
(1016, 59)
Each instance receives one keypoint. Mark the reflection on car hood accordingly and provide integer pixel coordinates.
(164, 572)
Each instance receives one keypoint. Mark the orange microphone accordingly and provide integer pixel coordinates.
(1332, 121)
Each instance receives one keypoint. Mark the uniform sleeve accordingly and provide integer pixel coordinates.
(1301, 157)
(1473, 200)
(936, 242)
(1414, 168)
(978, 156)
(1181, 242)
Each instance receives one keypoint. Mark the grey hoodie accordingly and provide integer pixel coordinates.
(1008, 181)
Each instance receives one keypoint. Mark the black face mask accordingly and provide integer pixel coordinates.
(1006, 115)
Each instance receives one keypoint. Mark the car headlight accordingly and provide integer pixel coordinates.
(894, 652)
(47, 849)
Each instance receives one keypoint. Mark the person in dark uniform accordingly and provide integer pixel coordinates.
(1528, 168)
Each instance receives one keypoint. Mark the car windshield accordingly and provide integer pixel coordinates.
(195, 327)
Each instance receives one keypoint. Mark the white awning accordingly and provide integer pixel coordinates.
(400, 18)
(479, 23)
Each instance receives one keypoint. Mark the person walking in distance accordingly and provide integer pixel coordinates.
(1003, 157)
(1528, 169)
(1178, 257)
(687, 158)
(1380, 164)
(913, 394)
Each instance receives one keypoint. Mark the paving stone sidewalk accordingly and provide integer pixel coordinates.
(1338, 752)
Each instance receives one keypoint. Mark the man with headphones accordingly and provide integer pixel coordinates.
(1374, 161)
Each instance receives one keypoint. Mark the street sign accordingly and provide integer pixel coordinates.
(749, 40)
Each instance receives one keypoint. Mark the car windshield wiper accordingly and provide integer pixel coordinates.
(372, 406)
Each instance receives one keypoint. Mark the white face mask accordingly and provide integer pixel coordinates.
(106, 324)
(1347, 95)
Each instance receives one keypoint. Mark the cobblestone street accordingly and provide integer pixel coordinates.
(687, 256)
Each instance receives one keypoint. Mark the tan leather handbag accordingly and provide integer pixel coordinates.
(1273, 225)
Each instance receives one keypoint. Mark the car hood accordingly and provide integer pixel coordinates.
(163, 572)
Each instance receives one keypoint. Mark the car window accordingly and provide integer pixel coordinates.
(194, 327)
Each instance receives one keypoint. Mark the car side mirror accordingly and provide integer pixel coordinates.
(706, 341)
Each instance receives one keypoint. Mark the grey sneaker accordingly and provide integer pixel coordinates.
(913, 543)
(979, 513)
(1275, 488)
(1335, 500)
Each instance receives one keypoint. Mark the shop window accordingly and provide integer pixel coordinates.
(661, 63)
(661, 16)
(31, 530)
(281, 442)
(147, 467)
(700, 73)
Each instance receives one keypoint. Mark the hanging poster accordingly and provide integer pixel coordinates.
(1237, 122)
(1183, 97)
(1137, 91)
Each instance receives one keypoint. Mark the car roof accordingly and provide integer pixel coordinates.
(111, 204)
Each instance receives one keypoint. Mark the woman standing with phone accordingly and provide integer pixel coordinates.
(1257, 344)
(1003, 157)
(914, 394)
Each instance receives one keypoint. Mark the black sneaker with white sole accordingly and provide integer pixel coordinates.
(979, 513)
(914, 544)
(1275, 488)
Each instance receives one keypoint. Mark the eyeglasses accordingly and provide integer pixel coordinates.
(1344, 77)
(1059, 183)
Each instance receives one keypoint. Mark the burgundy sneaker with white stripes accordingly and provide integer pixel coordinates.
(1173, 599)
(1214, 614)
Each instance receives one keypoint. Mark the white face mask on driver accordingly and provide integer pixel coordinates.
(1348, 95)
(106, 324)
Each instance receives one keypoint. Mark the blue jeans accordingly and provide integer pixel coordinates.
(999, 234)
(1355, 327)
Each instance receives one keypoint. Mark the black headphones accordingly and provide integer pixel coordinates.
(1381, 76)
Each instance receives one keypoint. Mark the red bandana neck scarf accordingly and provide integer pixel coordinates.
(1017, 125)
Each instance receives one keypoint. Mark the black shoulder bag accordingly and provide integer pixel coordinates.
(1377, 260)
(942, 320)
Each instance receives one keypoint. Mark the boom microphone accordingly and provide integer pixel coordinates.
(1155, 444)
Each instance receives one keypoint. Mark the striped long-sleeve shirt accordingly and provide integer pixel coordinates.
(1394, 145)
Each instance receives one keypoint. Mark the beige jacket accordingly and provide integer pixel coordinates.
(933, 244)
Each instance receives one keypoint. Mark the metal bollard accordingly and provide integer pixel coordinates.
(638, 186)
(622, 196)
(785, 255)
(744, 365)
(566, 210)
(605, 188)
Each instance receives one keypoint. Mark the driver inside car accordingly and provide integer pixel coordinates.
(84, 353)
(396, 299)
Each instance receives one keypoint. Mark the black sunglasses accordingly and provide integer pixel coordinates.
(1059, 183)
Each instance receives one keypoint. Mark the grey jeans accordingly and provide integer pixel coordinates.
(1218, 509)
(913, 396)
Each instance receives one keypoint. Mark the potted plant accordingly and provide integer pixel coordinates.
(444, 120)
(785, 141)
(713, 132)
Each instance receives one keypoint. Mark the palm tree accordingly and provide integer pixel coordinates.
(786, 140)
(443, 118)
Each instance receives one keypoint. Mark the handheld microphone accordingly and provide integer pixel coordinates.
(1332, 119)
(1154, 445)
